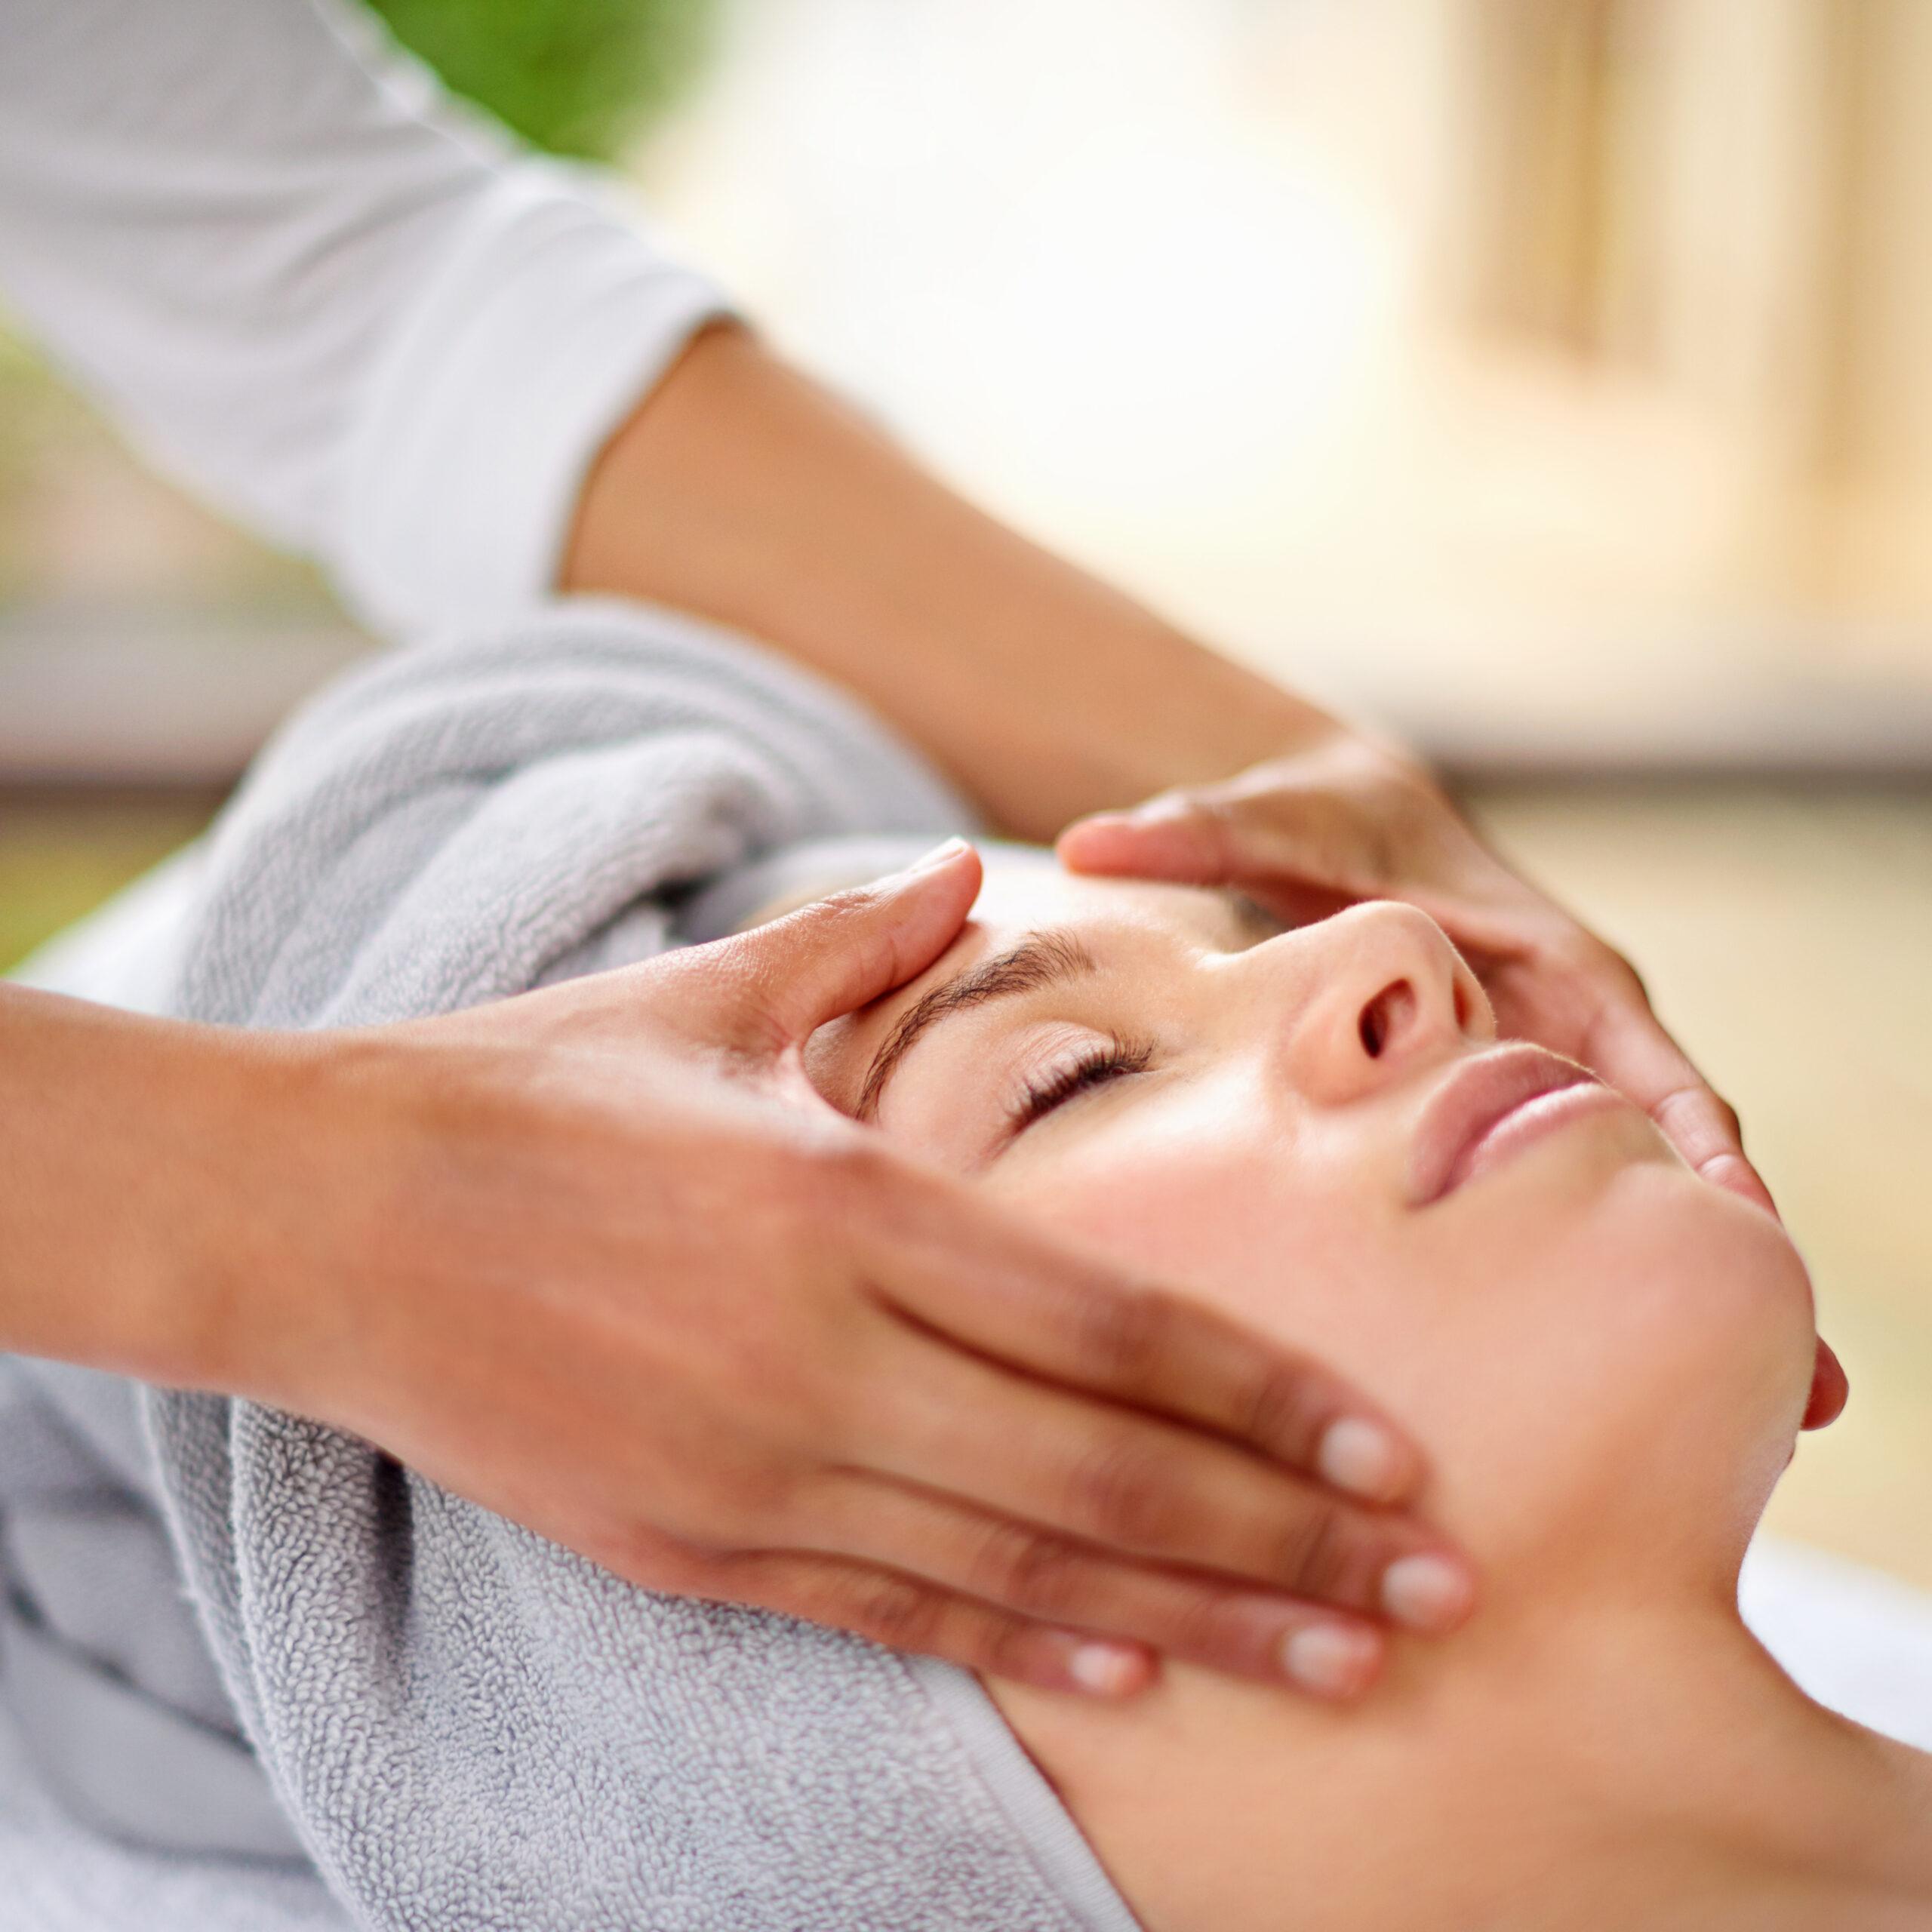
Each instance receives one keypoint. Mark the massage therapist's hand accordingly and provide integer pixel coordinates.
(1348, 819)
(600, 1259)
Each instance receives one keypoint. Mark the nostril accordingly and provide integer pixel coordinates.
(1383, 1015)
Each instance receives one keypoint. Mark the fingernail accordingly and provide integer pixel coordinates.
(1330, 1660)
(940, 855)
(1107, 1670)
(1361, 1457)
(1425, 1593)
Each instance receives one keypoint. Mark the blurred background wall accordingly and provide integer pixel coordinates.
(1551, 379)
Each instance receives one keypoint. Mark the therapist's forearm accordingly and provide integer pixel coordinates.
(742, 490)
(118, 1139)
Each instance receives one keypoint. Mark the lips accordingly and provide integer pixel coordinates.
(1489, 1106)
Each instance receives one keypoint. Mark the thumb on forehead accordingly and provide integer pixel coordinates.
(1176, 836)
(834, 955)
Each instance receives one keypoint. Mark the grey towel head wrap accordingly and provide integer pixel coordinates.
(464, 1726)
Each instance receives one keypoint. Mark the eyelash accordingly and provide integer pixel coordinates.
(1097, 1067)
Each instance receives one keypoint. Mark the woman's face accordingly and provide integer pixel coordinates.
(1317, 1129)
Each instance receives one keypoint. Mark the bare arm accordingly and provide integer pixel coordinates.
(742, 491)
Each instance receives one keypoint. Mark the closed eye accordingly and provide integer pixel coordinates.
(1099, 1067)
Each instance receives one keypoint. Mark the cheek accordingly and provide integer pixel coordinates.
(1590, 1348)
(1620, 1359)
(1188, 1218)
(1284, 1237)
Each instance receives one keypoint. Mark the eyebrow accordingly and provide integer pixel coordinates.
(1040, 959)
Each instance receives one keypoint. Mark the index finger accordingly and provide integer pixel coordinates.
(1627, 1045)
(958, 1268)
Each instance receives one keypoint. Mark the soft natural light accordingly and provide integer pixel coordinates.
(1196, 290)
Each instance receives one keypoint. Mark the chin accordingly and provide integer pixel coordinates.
(1726, 1305)
(1651, 1344)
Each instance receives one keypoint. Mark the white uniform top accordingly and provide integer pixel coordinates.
(353, 314)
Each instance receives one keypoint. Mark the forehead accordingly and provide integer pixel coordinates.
(1116, 922)
(1023, 892)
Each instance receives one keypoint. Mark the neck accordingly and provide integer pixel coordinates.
(1598, 1763)
(1615, 1765)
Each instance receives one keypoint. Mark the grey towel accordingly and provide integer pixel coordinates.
(465, 1725)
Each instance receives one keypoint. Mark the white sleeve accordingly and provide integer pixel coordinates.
(354, 315)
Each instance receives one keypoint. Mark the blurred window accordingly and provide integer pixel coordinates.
(1547, 377)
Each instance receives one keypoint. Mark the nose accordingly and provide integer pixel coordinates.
(1384, 992)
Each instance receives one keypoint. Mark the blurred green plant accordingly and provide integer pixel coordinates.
(60, 859)
(577, 77)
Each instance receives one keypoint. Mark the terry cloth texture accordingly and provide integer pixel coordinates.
(464, 1725)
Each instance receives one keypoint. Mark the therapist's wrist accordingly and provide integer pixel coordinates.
(251, 1200)
(317, 1140)
(126, 1144)
(228, 1299)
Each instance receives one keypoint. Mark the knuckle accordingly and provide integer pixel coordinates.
(1620, 971)
(1122, 1335)
(1030, 1569)
(1212, 819)
(753, 1503)
(1581, 952)
(1313, 1551)
(823, 922)
(1004, 1646)
(896, 1612)
(849, 917)
(842, 907)
(1281, 1408)
(1197, 1625)
(1120, 1490)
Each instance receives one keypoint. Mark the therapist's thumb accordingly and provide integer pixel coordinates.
(833, 956)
